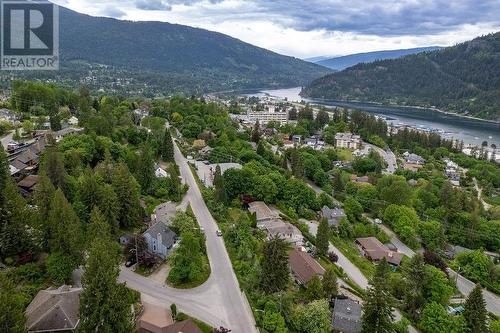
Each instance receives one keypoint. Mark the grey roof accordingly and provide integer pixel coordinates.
(346, 316)
(414, 158)
(165, 212)
(54, 309)
(333, 215)
(167, 235)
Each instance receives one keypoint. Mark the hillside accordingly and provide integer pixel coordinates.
(464, 78)
(173, 57)
(340, 63)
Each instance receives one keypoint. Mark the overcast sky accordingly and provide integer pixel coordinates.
(307, 28)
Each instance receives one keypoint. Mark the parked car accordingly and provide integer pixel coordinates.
(218, 233)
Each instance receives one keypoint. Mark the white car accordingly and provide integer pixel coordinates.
(378, 221)
(218, 233)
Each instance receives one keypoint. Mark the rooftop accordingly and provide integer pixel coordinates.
(304, 266)
(262, 211)
(346, 316)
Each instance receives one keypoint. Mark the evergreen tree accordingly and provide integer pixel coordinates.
(98, 226)
(330, 283)
(284, 162)
(127, 192)
(297, 165)
(220, 188)
(475, 312)
(274, 266)
(14, 237)
(43, 195)
(314, 289)
(377, 309)
(145, 172)
(261, 150)
(88, 191)
(4, 175)
(167, 147)
(104, 305)
(12, 318)
(109, 207)
(415, 277)
(256, 133)
(53, 166)
(322, 237)
(64, 227)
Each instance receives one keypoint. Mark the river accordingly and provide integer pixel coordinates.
(471, 131)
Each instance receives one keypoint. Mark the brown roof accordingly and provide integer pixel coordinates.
(28, 182)
(375, 250)
(303, 266)
(27, 156)
(185, 326)
(54, 309)
(154, 319)
(18, 164)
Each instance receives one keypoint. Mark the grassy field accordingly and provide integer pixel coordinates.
(345, 154)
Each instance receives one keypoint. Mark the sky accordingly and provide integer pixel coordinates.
(309, 28)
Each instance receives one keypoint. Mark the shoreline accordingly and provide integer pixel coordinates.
(424, 108)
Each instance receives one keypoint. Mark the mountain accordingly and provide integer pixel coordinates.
(172, 57)
(340, 63)
(464, 78)
(317, 59)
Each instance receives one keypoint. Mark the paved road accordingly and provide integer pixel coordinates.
(387, 155)
(464, 285)
(318, 190)
(351, 270)
(219, 301)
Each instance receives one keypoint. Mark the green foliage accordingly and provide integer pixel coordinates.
(377, 309)
(322, 237)
(12, 318)
(167, 147)
(314, 317)
(274, 266)
(330, 282)
(220, 194)
(126, 189)
(475, 265)
(314, 289)
(353, 209)
(435, 319)
(272, 320)
(475, 312)
(60, 267)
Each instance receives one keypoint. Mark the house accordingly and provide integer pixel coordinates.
(73, 121)
(452, 250)
(185, 326)
(154, 319)
(347, 141)
(374, 250)
(160, 173)
(333, 215)
(27, 185)
(54, 310)
(160, 239)
(59, 135)
(284, 230)
(411, 158)
(303, 266)
(164, 213)
(262, 212)
(346, 316)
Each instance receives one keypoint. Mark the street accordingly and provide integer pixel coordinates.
(219, 301)
(464, 285)
(388, 156)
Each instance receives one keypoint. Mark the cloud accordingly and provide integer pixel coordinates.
(316, 27)
(152, 5)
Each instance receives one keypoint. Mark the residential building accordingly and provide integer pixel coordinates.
(263, 212)
(73, 121)
(297, 139)
(59, 135)
(160, 173)
(160, 239)
(27, 185)
(54, 310)
(333, 215)
(264, 117)
(303, 266)
(411, 158)
(284, 230)
(347, 141)
(346, 316)
(158, 319)
(164, 213)
(374, 250)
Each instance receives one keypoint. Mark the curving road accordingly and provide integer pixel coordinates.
(219, 301)
(387, 155)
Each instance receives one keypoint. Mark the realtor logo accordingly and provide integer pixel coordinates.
(30, 35)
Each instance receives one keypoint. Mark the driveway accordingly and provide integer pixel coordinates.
(219, 301)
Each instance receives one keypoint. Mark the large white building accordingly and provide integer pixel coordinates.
(347, 141)
(265, 117)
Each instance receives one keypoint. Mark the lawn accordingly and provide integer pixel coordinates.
(345, 154)
(350, 250)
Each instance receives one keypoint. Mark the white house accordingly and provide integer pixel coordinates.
(160, 239)
(160, 173)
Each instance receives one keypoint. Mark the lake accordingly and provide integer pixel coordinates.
(471, 131)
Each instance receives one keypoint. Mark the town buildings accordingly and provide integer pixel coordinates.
(347, 141)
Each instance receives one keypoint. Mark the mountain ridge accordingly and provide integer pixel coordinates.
(342, 62)
(463, 79)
